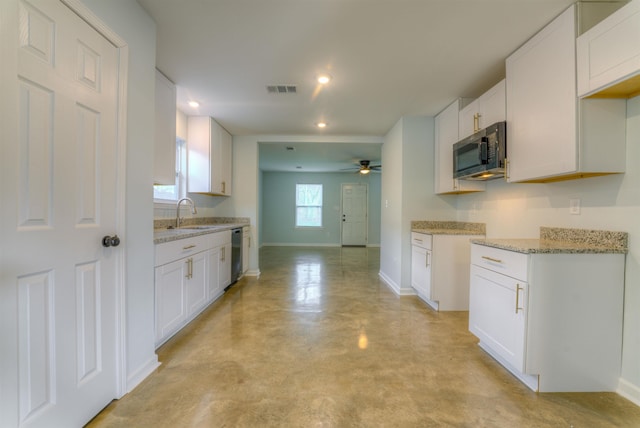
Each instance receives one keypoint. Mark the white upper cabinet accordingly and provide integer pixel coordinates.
(609, 55)
(209, 158)
(446, 135)
(486, 110)
(164, 171)
(551, 135)
(181, 125)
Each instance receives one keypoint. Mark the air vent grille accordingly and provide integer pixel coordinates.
(282, 89)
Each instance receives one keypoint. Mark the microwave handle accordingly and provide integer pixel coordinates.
(483, 153)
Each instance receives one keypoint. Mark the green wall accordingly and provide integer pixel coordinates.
(278, 208)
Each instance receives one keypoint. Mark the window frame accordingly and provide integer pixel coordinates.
(320, 207)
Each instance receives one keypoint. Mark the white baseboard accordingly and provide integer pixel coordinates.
(629, 391)
(395, 287)
(141, 374)
(252, 272)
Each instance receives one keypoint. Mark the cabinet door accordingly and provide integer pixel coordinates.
(421, 271)
(216, 161)
(469, 120)
(215, 288)
(196, 282)
(171, 310)
(224, 274)
(164, 171)
(497, 314)
(199, 154)
(246, 245)
(492, 105)
(446, 135)
(541, 101)
(609, 53)
(226, 161)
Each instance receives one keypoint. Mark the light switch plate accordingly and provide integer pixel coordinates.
(574, 206)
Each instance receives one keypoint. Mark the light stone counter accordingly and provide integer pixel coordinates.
(194, 227)
(448, 227)
(555, 240)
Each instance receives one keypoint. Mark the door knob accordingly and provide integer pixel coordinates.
(110, 241)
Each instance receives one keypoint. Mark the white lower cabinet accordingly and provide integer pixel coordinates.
(190, 274)
(497, 314)
(421, 264)
(440, 270)
(553, 320)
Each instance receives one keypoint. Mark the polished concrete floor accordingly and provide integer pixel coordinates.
(319, 341)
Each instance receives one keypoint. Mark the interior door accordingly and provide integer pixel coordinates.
(58, 316)
(354, 214)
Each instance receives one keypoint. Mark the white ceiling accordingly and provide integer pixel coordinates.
(388, 58)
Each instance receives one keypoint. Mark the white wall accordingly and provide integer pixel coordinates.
(608, 203)
(407, 194)
(391, 215)
(131, 22)
(278, 213)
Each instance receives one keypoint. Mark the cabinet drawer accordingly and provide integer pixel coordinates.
(174, 250)
(218, 239)
(506, 262)
(421, 240)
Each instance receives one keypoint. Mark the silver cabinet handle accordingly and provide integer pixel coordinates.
(491, 259)
(426, 259)
(518, 288)
(188, 247)
(189, 274)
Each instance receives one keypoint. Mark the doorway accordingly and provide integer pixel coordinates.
(355, 213)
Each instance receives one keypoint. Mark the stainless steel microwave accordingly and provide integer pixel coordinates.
(482, 155)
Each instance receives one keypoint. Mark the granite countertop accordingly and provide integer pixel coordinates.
(448, 227)
(555, 240)
(164, 231)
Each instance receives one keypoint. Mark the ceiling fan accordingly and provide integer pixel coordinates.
(365, 167)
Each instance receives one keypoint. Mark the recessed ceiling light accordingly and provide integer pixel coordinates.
(323, 79)
(194, 104)
(321, 125)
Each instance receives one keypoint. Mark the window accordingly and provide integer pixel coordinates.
(308, 205)
(174, 192)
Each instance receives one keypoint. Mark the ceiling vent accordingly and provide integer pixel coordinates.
(282, 89)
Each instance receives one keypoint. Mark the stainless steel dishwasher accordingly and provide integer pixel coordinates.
(236, 255)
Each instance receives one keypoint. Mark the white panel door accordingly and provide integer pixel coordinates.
(59, 163)
(354, 214)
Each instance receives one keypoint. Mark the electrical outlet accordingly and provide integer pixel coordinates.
(574, 206)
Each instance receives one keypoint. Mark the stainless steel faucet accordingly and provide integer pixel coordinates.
(193, 210)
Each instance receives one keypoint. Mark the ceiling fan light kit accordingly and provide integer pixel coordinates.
(365, 167)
